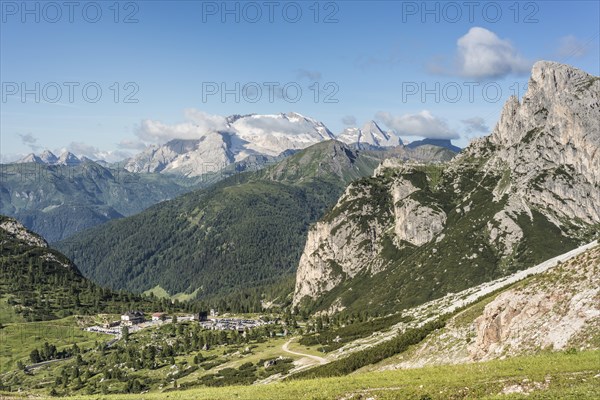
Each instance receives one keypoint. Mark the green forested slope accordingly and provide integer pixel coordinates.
(57, 201)
(244, 231)
(38, 283)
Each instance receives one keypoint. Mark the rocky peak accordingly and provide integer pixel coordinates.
(548, 143)
(30, 158)
(561, 100)
(370, 134)
(501, 202)
(14, 229)
(48, 157)
(68, 158)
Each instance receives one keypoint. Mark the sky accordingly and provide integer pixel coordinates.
(105, 79)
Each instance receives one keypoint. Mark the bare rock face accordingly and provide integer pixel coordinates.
(337, 249)
(417, 224)
(539, 167)
(350, 240)
(554, 312)
(504, 232)
(15, 229)
(549, 144)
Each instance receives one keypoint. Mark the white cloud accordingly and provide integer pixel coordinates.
(570, 46)
(30, 141)
(349, 120)
(423, 124)
(7, 158)
(132, 144)
(94, 153)
(475, 125)
(481, 54)
(197, 124)
(308, 75)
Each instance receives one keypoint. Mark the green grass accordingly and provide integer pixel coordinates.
(158, 292)
(161, 293)
(185, 296)
(7, 313)
(558, 375)
(17, 340)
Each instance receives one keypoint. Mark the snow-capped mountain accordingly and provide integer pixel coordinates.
(68, 158)
(48, 158)
(244, 136)
(370, 135)
(30, 158)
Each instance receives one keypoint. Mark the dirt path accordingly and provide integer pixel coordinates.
(318, 359)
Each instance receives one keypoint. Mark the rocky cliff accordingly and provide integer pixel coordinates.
(414, 232)
(555, 310)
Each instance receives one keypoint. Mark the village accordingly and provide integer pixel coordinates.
(136, 320)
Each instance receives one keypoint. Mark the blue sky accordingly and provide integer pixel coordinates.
(368, 60)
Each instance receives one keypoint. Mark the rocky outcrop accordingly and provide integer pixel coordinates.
(549, 142)
(551, 306)
(415, 223)
(557, 310)
(336, 249)
(18, 231)
(492, 210)
(366, 219)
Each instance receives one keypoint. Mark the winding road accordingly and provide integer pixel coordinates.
(285, 348)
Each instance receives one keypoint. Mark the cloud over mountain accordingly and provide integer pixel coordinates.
(423, 124)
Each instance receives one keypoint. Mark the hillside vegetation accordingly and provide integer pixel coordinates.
(543, 376)
(57, 201)
(245, 231)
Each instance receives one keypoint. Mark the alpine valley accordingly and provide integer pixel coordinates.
(279, 261)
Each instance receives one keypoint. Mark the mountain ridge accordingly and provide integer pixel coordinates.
(219, 233)
(408, 222)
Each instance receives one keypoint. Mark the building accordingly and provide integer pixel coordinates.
(132, 318)
(111, 324)
(200, 317)
(158, 316)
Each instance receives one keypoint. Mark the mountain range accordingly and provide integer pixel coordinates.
(370, 136)
(60, 200)
(482, 267)
(60, 196)
(48, 158)
(239, 138)
(246, 230)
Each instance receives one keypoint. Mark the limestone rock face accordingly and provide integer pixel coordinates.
(535, 178)
(550, 143)
(335, 250)
(350, 240)
(551, 313)
(417, 224)
(15, 229)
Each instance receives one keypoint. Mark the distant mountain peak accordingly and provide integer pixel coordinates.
(245, 136)
(30, 158)
(68, 158)
(48, 157)
(370, 135)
